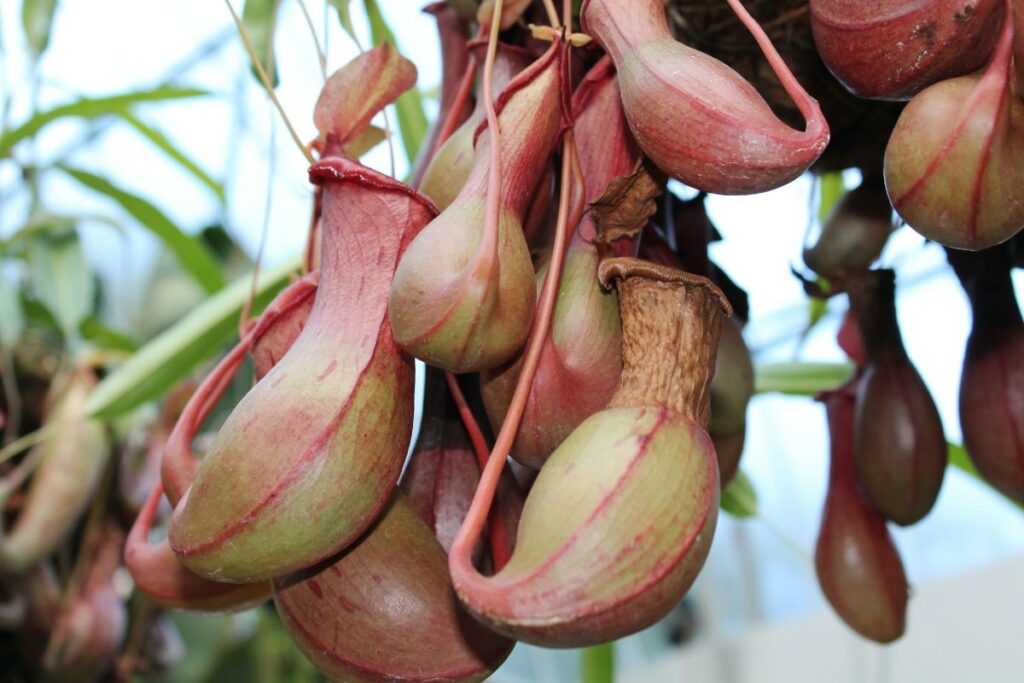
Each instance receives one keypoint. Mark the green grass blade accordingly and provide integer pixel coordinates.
(37, 19)
(260, 19)
(169, 357)
(42, 223)
(193, 255)
(167, 147)
(90, 108)
(597, 663)
(959, 458)
(739, 498)
(345, 18)
(94, 330)
(62, 281)
(800, 379)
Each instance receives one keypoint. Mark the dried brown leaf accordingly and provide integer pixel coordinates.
(626, 205)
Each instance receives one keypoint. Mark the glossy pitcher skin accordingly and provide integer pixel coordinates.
(321, 439)
(376, 614)
(155, 569)
(857, 563)
(620, 518)
(695, 117)
(463, 295)
(953, 164)
(894, 49)
(899, 445)
(582, 359)
(992, 381)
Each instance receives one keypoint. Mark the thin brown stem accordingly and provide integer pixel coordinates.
(265, 80)
(476, 435)
(489, 243)
(461, 98)
(486, 258)
(807, 105)
(130, 660)
(499, 546)
(460, 561)
(549, 7)
(321, 57)
(243, 320)
(26, 441)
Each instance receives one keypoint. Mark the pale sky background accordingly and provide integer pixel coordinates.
(101, 47)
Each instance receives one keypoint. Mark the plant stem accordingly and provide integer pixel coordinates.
(597, 663)
(476, 436)
(807, 105)
(461, 99)
(22, 443)
(265, 80)
(321, 57)
(489, 240)
(459, 555)
(549, 7)
(500, 552)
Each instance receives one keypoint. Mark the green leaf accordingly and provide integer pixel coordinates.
(832, 189)
(412, 120)
(160, 140)
(260, 19)
(800, 379)
(277, 658)
(816, 310)
(12, 317)
(170, 356)
(37, 313)
(190, 252)
(207, 639)
(90, 108)
(37, 19)
(43, 223)
(94, 330)
(739, 498)
(959, 458)
(62, 281)
(345, 18)
(39, 225)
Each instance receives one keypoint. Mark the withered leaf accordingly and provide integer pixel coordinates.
(626, 205)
